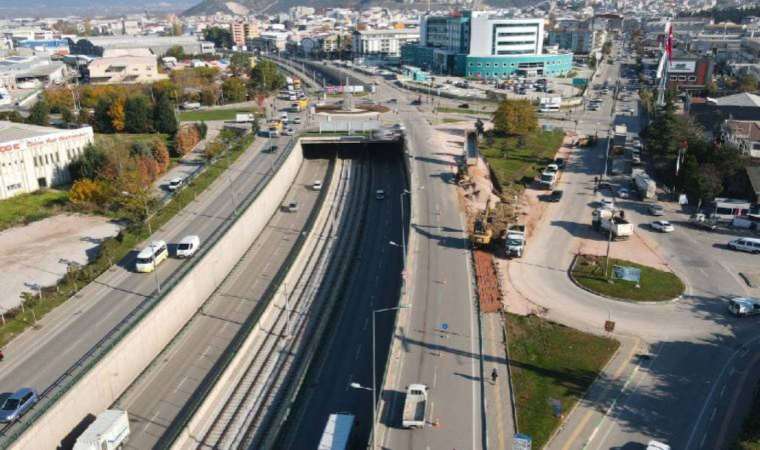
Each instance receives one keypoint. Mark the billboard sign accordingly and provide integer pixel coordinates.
(677, 66)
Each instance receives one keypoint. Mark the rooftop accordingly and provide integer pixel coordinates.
(12, 131)
(744, 99)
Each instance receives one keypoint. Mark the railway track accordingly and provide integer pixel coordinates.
(244, 413)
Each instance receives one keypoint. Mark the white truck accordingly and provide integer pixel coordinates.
(609, 221)
(547, 179)
(621, 135)
(515, 240)
(646, 186)
(415, 406)
(109, 431)
(244, 117)
(744, 306)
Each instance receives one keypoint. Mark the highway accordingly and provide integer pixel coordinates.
(155, 399)
(374, 284)
(43, 354)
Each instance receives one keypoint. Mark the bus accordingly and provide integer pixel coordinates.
(337, 432)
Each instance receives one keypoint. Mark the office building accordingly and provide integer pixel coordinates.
(480, 44)
(137, 68)
(34, 157)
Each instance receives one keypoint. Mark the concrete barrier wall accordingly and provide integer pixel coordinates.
(105, 382)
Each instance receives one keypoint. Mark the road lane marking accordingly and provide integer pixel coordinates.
(588, 415)
(435, 375)
(732, 406)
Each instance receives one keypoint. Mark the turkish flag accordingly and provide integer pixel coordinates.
(669, 43)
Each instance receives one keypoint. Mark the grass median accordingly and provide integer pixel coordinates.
(552, 367)
(655, 285)
(34, 307)
(213, 114)
(517, 160)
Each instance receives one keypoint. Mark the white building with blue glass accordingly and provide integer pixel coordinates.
(480, 44)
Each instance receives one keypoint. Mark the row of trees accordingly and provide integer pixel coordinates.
(135, 114)
(110, 180)
(686, 161)
(515, 118)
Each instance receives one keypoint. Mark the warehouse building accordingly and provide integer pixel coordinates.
(34, 157)
(158, 45)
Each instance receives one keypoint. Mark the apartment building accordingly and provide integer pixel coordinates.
(382, 42)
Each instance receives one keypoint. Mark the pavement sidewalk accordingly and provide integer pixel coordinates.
(500, 424)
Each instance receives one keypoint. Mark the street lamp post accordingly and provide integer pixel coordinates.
(374, 372)
(403, 231)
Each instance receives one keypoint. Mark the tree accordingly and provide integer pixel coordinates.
(161, 155)
(137, 115)
(479, 127)
(221, 37)
(592, 61)
(101, 119)
(86, 191)
(515, 117)
(67, 115)
(240, 63)
(233, 90)
(747, 83)
(607, 48)
(165, 87)
(12, 116)
(58, 98)
(89, 164)
(140, 149)
(116, 114)
(164, 119)
(177, 28)
(40, 114)
(84, 117)
(176, 51)
(210, 96)
(187, 137)
(266, 77)
(202, 129)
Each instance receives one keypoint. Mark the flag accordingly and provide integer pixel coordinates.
(669, 43)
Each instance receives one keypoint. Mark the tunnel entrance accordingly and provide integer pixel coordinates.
(328, 149)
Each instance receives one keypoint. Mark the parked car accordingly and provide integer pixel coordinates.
(17, 404)
(607, 203)
(555, 196)
(288, 132)
(290, 207)
(560, 162)
(316, 185)
(464, 105)
(379, 194)
(662, 226)
(623, 193)
(750, 245)
(296, 120)
(553, 168)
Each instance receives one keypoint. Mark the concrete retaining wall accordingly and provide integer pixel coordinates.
(105, 382)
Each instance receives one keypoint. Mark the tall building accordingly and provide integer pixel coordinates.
(480, 44)
(382, 42)
(242, 31)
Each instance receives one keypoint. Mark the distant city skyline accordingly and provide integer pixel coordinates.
(55, 8)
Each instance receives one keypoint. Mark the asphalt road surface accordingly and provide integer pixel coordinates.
(374, 284)
(40, 356)
(156, 398)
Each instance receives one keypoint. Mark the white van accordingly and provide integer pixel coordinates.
(188, 246)
(751, 245)
(151, 256)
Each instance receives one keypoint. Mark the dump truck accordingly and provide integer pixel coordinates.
(610, 221)
(515, 240)
(415, 406)
(646, 186)
(109, 431)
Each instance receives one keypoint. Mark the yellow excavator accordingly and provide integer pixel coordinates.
(482, 229)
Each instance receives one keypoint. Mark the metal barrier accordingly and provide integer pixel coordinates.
(71, 376)
(209, 381)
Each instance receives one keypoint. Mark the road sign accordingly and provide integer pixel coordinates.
(444, 326)
(521, 442)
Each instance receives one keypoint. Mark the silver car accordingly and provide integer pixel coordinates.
(17, 404)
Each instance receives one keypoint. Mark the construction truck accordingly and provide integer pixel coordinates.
(646, 186)
(610, 221)
(482, 229)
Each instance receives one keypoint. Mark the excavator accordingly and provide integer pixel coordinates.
(482, 229)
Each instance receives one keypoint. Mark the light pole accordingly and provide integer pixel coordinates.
(374, 374)
(403, 230)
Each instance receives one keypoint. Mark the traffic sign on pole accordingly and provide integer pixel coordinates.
(444, 326)
(522, 442)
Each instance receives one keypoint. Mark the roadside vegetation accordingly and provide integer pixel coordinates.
(552, 367)
(656, 285)
(470, 111)
(136, 208)
(749, 438)
(213, 114)
(26, 208)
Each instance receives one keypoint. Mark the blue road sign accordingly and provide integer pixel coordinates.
(521, 442)
(444, 326)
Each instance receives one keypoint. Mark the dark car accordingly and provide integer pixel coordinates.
(555, 196)
(465, 106)
(17, 404)
(393, 100)
(560, 162)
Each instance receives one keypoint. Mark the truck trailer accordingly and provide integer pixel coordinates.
(109, 431)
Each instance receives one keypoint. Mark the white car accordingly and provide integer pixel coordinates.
(380, 194)
(288, 132)
(623, 193)
(174, 184)
(317, 185)
(608, 203)
(662, 225)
